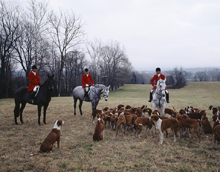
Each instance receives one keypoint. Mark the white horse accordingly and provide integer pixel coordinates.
(159, 97)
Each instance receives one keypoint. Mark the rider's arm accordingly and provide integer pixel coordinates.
(152, 80)
(83, 81)
(91, 80)
(163, 77)
(38, 78)
(32, 80)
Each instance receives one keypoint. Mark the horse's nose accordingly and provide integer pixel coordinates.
(106, 99)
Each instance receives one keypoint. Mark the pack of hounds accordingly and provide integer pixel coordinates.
(180, 122)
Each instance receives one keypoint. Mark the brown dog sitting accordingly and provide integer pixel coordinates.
(99, 129)
(53, 136)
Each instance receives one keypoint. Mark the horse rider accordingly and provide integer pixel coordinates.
(87, 81)
(34, 81)
(155, 78)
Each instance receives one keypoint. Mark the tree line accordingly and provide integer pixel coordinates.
(56, 43)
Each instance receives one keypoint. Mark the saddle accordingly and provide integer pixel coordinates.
(33, 94)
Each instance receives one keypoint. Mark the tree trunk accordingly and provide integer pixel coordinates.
(60, 75)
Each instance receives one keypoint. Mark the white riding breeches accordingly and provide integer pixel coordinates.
(87, 89)
(35, 88)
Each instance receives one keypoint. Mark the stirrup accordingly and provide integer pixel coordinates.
(31, 101)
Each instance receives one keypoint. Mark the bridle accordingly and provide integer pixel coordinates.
(101, 96)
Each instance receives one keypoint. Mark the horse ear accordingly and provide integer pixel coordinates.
(52, 75)
(109, 86)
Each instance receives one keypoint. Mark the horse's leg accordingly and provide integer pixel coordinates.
(93, 105)
(163, 108)
(16, 112)
(75, 101)
(155, 106)
(45, 109)
(39, 113)
(96, 103)
(80, 106)
(21, 111)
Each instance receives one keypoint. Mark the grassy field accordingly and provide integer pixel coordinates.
(79, 153)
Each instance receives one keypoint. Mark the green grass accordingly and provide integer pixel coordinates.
(79, 153)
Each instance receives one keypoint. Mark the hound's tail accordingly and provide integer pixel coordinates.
(35, 154)
(174, 109)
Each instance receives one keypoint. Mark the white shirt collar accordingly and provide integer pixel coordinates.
(87, 75)
(34, 72)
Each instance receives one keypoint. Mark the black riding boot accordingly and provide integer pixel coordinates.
(167, 97)
(150, 97)
(31, 100)
(86, 96)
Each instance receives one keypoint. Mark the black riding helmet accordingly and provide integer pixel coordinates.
(86, 70)
(158, 69)
(34, 67)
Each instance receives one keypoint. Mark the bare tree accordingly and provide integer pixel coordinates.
(36, 13)
(9, 33)
(201, 75)
(95, 53)
(109, 64)
(66, 32)
(74, 69)
(32, 47)
(178, 76)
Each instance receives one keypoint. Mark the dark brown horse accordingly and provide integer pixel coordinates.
(42, 99)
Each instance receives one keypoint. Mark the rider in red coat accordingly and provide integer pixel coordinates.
(34, 82)
(154, 80)
(87, 81)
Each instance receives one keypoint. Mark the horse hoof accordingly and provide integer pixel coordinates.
(82, 115)
(16, 123)
(45, 123)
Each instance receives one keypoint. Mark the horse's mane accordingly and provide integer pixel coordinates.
(45, 82)
(164, 81)
(99, 85)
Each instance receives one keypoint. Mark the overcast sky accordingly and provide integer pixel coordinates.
(164, 33)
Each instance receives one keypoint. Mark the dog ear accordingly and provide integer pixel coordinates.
(59, 122)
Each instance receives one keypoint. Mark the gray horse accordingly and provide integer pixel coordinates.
(94, 95)
(159, 97)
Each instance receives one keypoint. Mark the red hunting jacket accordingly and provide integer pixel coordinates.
(156, 78)
(34, 80)
(87, 80)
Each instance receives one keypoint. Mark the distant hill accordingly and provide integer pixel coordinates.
(193, 70)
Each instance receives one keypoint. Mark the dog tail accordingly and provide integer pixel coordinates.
(174, 109)
(35, 154)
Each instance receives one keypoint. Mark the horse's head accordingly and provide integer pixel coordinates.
(105, 92)
(161, 86)
(50, 82)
